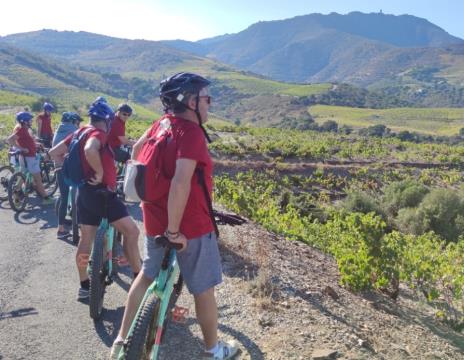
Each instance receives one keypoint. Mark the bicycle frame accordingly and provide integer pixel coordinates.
(25, 171)
(162, 286)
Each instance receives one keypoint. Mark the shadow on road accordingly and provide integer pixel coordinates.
(19, 313)
(108, 326)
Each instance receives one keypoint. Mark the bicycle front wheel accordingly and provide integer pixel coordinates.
(97, 275)
(5, 174)
(143, 338)
(17, 192)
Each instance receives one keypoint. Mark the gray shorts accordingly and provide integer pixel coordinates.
(200, 263)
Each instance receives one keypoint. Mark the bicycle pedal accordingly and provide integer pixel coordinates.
(179, 314)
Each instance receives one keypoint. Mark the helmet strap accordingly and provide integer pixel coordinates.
(197, 111)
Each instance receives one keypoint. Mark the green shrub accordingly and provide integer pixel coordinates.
(403, 194)
(361, 202)
(442, 212)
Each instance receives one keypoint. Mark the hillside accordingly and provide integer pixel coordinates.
(374, 50)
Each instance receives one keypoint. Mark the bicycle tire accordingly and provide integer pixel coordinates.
(9, 171)
(22, 193)
(116, 239)
(138, 346)
(49, 179)
(97, 275)
(75, 225)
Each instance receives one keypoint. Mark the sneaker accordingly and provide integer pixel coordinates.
(48, 201)
(116, 349)
(62, 234)
(227, 350)
(83, 294)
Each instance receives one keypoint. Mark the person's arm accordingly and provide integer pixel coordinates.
(92, 154)
(138, 145)
(177, 199)
(13, 141)
(58, 152)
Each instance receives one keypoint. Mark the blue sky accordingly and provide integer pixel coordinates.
(193, 20)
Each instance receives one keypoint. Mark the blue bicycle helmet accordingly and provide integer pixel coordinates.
(48, 107)
(70, 117)
(24, 117)
(100, 111)
(101, 99)
(125, 108)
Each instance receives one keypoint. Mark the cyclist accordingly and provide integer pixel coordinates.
(97, 162)
(183, 214)
(44, 125)
(24, 141)
(117, 135)
(70, 122)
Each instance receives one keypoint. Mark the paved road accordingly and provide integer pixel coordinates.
(39, 315)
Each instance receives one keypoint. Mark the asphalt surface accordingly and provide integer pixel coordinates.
(40, 317)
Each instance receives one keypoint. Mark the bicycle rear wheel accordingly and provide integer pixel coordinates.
(17, 192)
(5, 174)
(142, 339)
(97, 275)
(49, 180)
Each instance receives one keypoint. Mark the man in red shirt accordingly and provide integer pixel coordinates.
(44, 125)
(183, 214)
(117, 135)
(23, 140)
(97, 162)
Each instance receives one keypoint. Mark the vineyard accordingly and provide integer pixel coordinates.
(390, 212)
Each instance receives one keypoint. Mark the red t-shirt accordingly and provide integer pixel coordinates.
(106, 155)
(25, 140)
(118, 128)
(46, 124)
(196, 220)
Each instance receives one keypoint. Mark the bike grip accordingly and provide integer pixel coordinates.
(164, 242)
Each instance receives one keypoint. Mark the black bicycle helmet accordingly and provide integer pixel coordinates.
(125, 108)
(175, 92)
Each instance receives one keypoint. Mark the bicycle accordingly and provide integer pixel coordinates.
(71, 211)
(6, 172)
(20, 184)
(47, 171)
(149, 325)
(101, 266)
(121, 173)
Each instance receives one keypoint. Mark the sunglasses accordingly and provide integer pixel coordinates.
(207, 97)
(125, 114)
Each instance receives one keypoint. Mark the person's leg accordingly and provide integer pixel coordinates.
(63, 201)
(39, 185)
(135, 296)
(128, 228)
(206, 310)
(88, 233)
